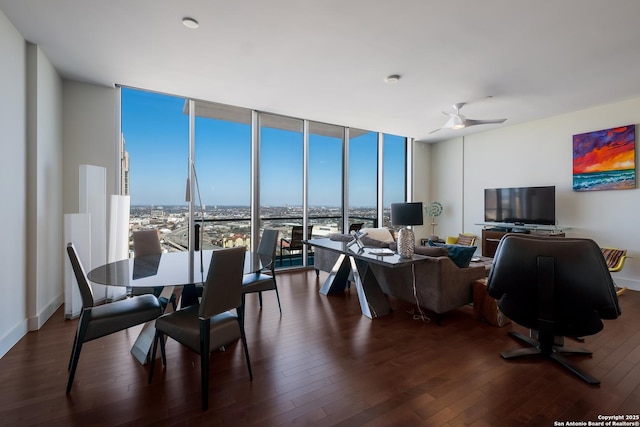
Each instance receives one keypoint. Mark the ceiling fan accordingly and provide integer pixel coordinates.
(458, 121)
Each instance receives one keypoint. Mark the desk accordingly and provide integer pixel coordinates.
(373, 300)
(164, 270)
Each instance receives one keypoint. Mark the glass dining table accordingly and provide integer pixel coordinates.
(167, 270)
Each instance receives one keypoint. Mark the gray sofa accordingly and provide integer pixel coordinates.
(440, 285)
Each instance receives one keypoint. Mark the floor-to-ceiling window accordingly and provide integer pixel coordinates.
(325, 178)
(393, 174)
(223, 170)
(156, 140)
(253, 170)
(281, 177)
(363, 177)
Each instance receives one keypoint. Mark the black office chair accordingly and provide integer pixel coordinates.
(557, 287)
(96, 322)
(259, 281)
(211, 324)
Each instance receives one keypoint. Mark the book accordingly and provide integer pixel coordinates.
(381, 251)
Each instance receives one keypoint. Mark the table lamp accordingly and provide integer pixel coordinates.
(406, 214)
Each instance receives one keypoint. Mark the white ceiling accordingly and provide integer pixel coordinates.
(326, 60)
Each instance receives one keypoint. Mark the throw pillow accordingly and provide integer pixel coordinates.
(460, 255)
(367, 241)
(341, 237)
(381, 234)
(433, 251)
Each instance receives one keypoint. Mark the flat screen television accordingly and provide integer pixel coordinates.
(521, 206)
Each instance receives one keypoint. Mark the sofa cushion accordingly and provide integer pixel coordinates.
(381, 234)
(341, 237)
(460, 255)
(373, 243)
(434, 251)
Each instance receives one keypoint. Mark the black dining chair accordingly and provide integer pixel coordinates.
(259, 281)
(145, 243)
(211, 324)
(99, 321)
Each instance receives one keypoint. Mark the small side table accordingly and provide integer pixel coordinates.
(485, 308)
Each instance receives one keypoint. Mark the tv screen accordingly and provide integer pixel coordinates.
(523, 205)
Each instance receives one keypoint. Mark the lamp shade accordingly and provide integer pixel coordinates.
(406, 213)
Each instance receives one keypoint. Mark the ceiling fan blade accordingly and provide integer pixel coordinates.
(458, 121)
(472, 122)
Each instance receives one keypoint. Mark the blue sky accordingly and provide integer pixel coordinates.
(156, 133)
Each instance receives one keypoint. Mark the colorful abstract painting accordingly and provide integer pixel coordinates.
(605, 159)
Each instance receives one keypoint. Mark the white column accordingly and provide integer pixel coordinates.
(118, 238)
(77, 230)
(93, 200)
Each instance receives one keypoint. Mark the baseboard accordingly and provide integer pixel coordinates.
(632, 284)
(12, 337)
(35, 322)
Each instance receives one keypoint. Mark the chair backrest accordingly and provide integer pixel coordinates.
(356, 226)
(268, 243)
(81, 277)
(297, 236)
(614, 258)
(146, 242)
(583, 292)
(466, 239)
(223, 287)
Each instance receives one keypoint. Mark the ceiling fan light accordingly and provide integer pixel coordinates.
(456, 122)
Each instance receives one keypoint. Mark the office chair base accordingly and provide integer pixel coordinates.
(535, 349)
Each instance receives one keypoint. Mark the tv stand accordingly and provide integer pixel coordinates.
(492, 233)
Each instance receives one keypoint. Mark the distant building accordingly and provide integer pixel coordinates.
(124, 168)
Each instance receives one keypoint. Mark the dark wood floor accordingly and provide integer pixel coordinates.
(323, 363)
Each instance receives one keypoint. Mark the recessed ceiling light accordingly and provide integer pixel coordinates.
(392, 79)
(190, 22)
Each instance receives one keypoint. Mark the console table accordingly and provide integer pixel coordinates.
(373, 301)
(493, 233)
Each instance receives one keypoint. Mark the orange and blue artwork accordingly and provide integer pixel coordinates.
(605, 159)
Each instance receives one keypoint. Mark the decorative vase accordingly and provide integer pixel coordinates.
(406, 243)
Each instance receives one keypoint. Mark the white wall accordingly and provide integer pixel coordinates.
(13, 252)
(421, 182)
(451, 194)
(90, 126)
(540, 153)
(44, 181)
(31, 258)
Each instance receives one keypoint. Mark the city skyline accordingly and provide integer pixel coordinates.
(156, 133)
